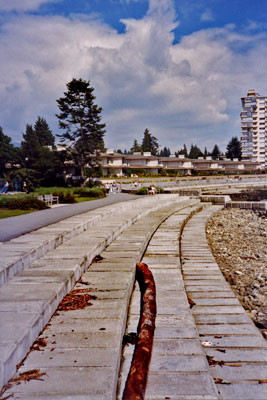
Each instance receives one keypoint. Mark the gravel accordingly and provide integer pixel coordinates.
(238, 239)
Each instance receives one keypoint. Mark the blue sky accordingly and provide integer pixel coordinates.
(177, 68)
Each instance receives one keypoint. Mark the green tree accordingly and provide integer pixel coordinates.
(7, 151)
(39, 161)
(30, 147)
(216, 153)
(195, 152)
(44, 133)
(183, 151)
(80, 118)
(136, 147)
(233, 149)
(165, 152)
(150, 143)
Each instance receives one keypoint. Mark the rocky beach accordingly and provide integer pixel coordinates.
(238, 239)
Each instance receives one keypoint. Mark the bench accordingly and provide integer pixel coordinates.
(49, 199)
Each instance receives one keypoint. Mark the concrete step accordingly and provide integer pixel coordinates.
(19, 253)
(235, 348)
(179, 367)
(29, 300)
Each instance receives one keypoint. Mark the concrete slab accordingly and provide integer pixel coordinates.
(173, 363)
(169, 385)
(243, 391)
(63, 380)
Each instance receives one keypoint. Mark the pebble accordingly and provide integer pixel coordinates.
(238, 241)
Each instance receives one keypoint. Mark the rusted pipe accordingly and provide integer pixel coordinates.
(137, 378)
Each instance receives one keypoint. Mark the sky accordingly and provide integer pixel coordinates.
(175, 67)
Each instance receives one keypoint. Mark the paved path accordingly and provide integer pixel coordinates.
(210, 352)
(30, 298)
(16, 226)
(179, 367)
(235, 348)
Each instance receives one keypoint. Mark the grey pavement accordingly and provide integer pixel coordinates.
(179, 367)
(235, 348)
(16, 226)
(30, 298)
(212, 351)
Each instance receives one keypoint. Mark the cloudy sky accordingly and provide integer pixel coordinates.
(176, 67)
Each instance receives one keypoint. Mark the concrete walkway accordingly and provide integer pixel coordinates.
(16, 226)
(235, 348)
(212, 351)
(29, 299)
(179, 367)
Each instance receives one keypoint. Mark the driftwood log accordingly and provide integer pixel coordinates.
(137, 378)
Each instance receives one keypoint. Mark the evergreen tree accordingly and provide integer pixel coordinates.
(233, 149)
(81, 120)
(41, 163)
(44, 133)
(183, 151)
(195, 152)
(165, 152)
(215, 154)
(206, 152)
(136, 148)
(30, 147)
(150, 143)
(7, 151)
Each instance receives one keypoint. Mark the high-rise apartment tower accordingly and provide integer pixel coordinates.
(254, 128)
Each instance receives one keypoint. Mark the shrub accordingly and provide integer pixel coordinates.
(160, 189)
(98, 192)
(64, 197)
(142, 191)
(22, 203)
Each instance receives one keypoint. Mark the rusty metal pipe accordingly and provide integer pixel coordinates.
(137, 378)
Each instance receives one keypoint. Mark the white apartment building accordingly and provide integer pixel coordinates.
(254, 128)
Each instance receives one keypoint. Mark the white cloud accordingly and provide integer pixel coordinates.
(23, 5)
(180, 92)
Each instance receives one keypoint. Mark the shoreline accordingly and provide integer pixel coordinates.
(237, 239)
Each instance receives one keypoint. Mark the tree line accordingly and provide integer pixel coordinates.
(37, 161)
(150, 144)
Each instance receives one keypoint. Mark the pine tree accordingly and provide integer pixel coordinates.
(44, 133)
(215, 154)
(81, 120)
(30, 146)
(150, 143)
(7, 151)
(165, 152)
(136, 147)
(195, 152)
(183, 151)
(40, 162)
(233, 149)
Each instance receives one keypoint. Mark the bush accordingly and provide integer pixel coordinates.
(142, 191)
(96, 192)
(64, 197)
(22, 203)
(160, 189)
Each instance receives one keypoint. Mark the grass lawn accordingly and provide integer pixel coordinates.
(81, 199)
(13, 213)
